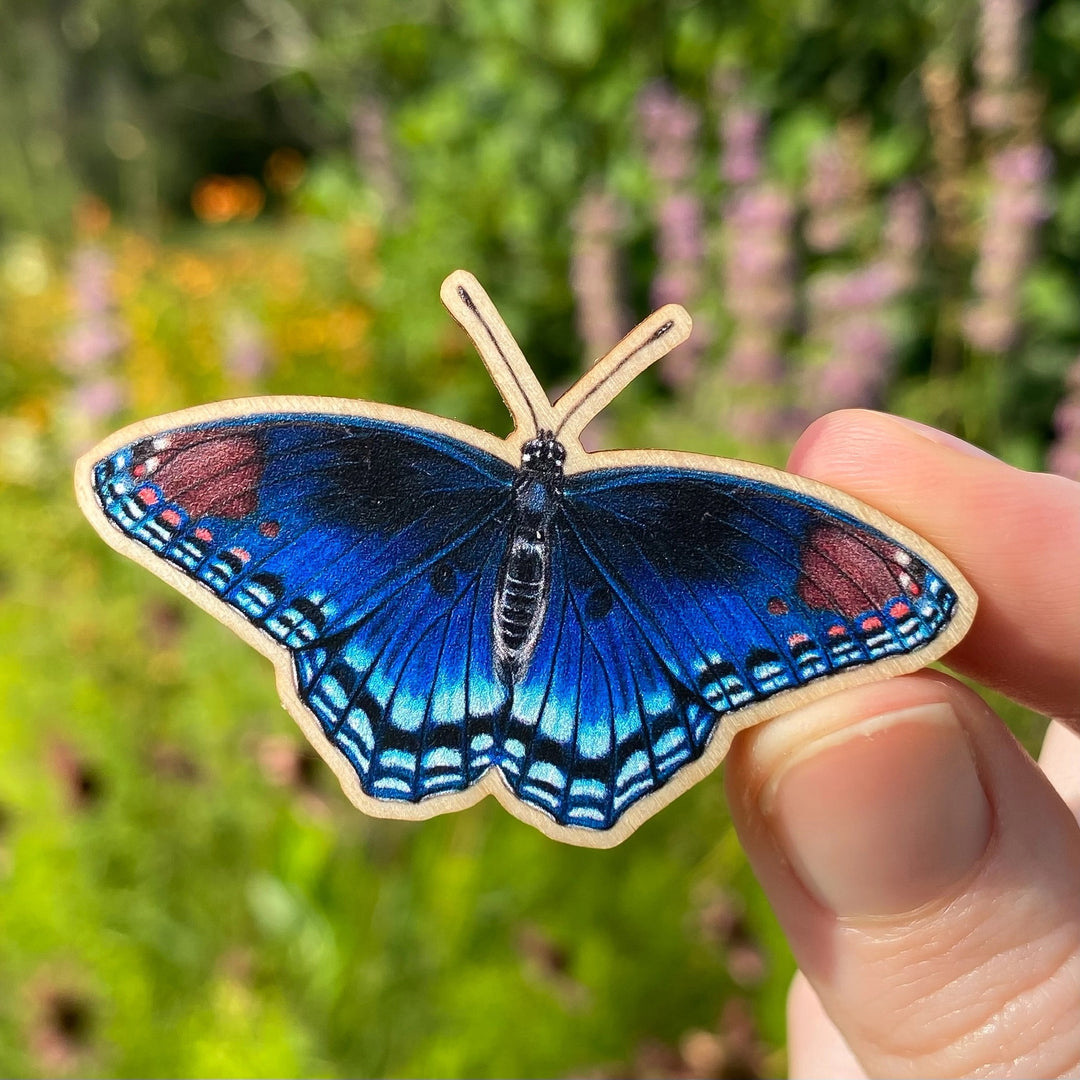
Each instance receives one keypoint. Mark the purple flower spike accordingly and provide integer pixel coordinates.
(670, 126)
(999, 62)
(1016, 206)
(741, 130)
(91, 347)
(99, 399)
(594, 275)
(91, 281)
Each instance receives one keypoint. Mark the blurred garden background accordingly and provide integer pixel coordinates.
(861, 204)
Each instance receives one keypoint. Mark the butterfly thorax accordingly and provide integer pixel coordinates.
(521, 597)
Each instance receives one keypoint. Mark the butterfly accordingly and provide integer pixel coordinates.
(453, 615)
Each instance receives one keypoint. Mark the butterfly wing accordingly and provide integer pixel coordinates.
(682, 597)
(367, 549)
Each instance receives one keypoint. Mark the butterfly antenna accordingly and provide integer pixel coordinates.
(644, 345)
(466, 300)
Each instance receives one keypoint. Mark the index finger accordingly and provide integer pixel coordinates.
(1014, 534)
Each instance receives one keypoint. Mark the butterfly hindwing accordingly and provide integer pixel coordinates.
(611, 711)
(409, 693)
(330, 534)
(680, 596)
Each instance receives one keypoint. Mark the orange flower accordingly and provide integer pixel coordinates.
(219, 199)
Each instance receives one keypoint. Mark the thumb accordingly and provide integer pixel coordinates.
(925, 872)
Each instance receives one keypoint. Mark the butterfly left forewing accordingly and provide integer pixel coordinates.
(352, 550)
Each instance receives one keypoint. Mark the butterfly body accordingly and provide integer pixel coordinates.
(525, 572)
(453, 615)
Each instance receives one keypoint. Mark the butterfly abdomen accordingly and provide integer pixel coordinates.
(521, 600)
(521, 596)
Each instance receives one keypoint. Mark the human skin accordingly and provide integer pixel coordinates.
(925, 869)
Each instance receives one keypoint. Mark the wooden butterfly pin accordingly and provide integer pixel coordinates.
(453, 615)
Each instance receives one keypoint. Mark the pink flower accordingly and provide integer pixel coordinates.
(1021, 166)
(91, 281)
(741, 129)
(594, 277)
(669, 125)
(1016, 206)
(669, 128)
(99, 399)
(856, 370)
(999, 58)
(754, 360)
(760, 295)
(372, 151)
(681, 228)
(246, 351)
(90, 344)
(834, 194)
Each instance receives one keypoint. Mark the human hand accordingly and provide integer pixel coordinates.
(925, 869)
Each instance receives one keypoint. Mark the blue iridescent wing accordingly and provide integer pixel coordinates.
(679, 597)
(369, 549)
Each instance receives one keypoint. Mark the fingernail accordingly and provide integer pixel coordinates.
(943, 438)
(883, 816)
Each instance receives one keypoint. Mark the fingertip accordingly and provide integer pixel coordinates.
(850, 440)
(829, 439)
(1059, 760)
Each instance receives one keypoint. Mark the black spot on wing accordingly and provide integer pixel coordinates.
(348, 678)
(310, 612)
(444, 580)
(599, 602)
(801, 648)
(443, 736)
(272, 583)
(715, 674)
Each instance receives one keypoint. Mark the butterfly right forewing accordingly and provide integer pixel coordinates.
(683, 597)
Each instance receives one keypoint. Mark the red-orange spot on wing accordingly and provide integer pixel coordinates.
(210, 474)
(846, 572)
